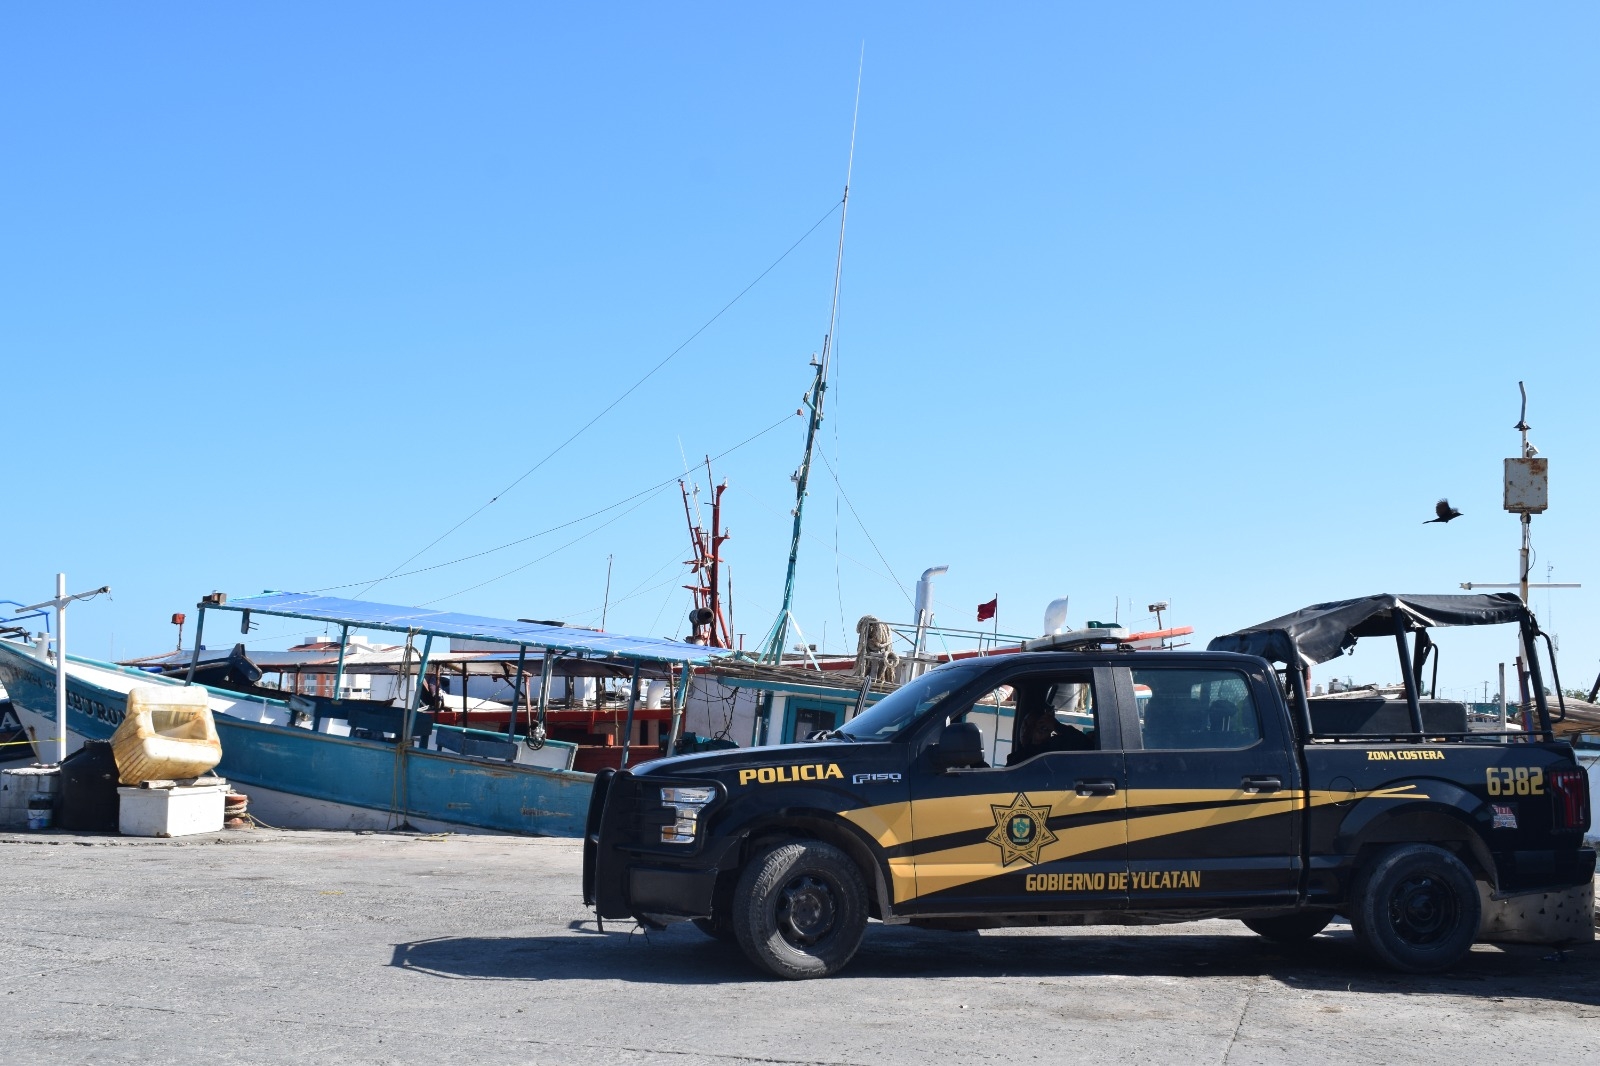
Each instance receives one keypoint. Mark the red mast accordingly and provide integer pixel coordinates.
(707, 618)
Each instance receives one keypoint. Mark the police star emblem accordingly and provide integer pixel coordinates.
(1020, 830)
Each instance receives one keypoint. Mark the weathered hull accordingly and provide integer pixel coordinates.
(315, 780)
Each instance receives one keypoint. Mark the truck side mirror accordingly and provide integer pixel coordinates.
(960, 745)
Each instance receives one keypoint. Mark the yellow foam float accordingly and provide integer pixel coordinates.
(167, 734)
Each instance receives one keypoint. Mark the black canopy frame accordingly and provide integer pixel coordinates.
(1324, 631)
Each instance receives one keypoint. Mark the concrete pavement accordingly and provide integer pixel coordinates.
(279, 947)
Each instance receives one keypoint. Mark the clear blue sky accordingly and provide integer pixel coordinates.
(1206, 303)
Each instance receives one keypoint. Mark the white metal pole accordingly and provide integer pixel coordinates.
(61, 668)
(1522, 568)
(1502, 697)
(1522, 557)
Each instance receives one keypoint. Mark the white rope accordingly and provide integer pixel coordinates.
(875, 654)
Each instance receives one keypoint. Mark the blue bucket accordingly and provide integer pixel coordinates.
(41, 808)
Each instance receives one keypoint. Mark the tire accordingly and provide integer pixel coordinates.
(1416, 909)
(717, 927)
(800, 909)
(1294, 928)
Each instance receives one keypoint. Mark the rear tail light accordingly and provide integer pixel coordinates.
(1570, 789)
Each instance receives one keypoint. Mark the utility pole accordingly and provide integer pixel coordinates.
(1527, 493)
(1527, 489)
(1527, 484)
(60, 605)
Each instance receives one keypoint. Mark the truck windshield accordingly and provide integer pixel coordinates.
(886, 718)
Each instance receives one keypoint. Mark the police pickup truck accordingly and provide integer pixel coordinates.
(1107, 786)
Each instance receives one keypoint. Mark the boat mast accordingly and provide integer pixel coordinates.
(719, 623)
(705, 566)
(773, 649)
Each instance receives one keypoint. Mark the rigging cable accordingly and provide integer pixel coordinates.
(608, 408)
(553, 551)
(838, 580)
(767, 507)
(556, 528)
(659, 611)
(863, 526)
(637, 590)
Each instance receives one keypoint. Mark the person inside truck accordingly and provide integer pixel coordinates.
(1193, 710)
(1038, 729)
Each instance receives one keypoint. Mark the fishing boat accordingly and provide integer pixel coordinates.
(472, 693)
(14, 743)
(323, 762)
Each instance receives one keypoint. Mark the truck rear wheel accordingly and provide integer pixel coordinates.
(800, 909)
(1293, 928)
(1416, 909)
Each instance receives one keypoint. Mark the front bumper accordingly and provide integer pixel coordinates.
(680, 893)
(627, 871)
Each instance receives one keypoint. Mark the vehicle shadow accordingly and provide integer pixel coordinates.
(682, 955)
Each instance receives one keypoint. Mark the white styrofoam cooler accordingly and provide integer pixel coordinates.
(170, 812)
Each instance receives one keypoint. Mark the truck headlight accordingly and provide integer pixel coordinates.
(687, 802)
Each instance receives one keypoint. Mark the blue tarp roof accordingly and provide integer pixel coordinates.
(360, 614)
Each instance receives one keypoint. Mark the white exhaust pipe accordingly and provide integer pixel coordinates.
(924, 612)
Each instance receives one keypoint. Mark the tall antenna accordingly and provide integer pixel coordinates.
(844, 213)
(772, 650)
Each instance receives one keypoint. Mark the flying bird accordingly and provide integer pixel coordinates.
(1444, 511)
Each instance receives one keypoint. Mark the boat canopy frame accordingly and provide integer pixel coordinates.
(420, 622)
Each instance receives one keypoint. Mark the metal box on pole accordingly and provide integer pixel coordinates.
(1527, 485)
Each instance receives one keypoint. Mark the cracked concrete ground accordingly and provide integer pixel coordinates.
(273, 947)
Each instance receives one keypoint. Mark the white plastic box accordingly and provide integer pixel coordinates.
(177, 811)
(18, 786)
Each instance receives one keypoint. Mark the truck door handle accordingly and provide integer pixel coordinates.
(1255, 785)
(1102, 787)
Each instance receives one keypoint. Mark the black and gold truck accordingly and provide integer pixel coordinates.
(1100, 785)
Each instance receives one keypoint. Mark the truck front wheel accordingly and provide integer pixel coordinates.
(800, 909)
(1416, 909)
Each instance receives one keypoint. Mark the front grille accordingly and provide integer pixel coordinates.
(591, 831)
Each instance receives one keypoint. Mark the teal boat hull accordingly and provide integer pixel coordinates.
(336, 780)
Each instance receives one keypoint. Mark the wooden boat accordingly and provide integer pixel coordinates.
(362, 777)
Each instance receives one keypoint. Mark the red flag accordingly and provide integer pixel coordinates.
(986, 610)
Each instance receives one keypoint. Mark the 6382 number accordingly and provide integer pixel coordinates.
(1515, 781)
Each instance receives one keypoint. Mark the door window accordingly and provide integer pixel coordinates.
(1190, 710)
(1055, 713)
(992, 713)
(1033, 715)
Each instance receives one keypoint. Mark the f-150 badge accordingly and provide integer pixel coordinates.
(1020, 831)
